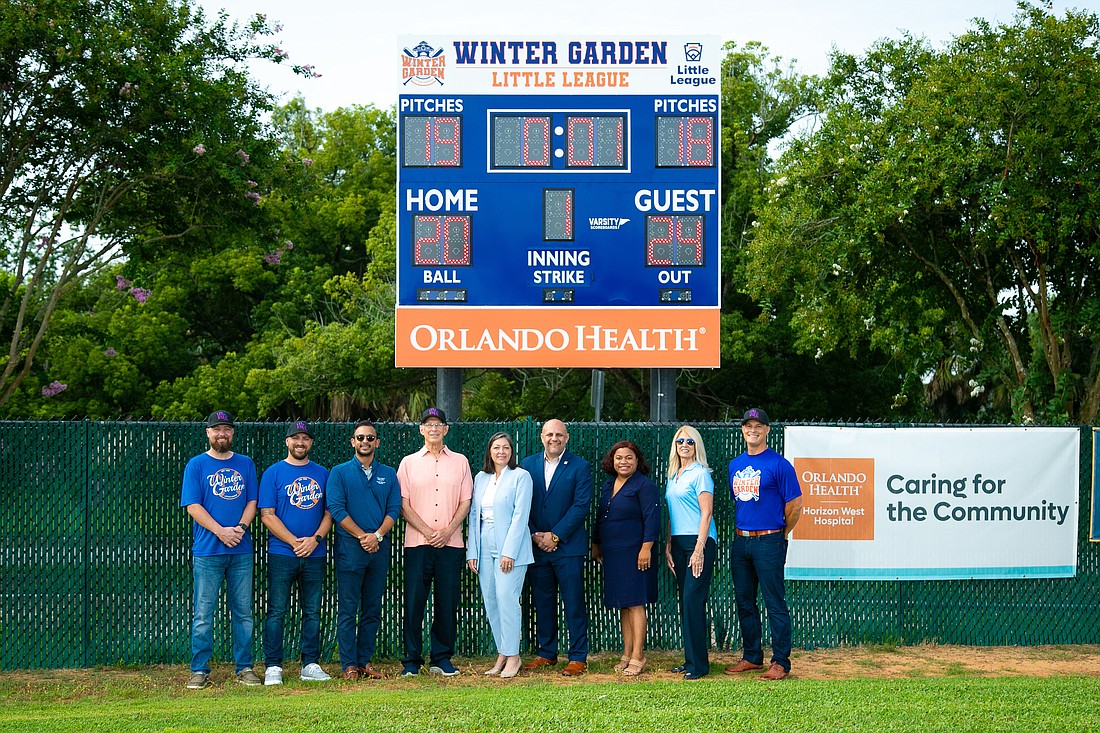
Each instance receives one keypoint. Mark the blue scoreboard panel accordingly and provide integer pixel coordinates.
(558, 202)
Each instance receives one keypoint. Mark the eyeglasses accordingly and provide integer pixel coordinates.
(367, 438)
(689, 441)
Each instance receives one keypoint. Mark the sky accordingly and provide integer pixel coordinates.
(353, 44)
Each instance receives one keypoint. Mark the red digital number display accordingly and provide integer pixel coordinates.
(441, 240)
(595, 141)
(520, 141)
(429, 142)
(685, 142)
(674, 241)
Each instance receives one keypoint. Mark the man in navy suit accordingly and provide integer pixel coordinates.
(562, 494)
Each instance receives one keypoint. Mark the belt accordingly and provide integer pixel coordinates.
(755, 532)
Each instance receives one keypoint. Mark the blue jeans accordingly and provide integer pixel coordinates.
(360, 583)
(209, 572)
(757, 562)
(283, 570)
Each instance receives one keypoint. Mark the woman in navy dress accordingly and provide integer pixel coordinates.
(627, 525)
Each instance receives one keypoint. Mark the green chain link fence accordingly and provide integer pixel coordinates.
(95, 560)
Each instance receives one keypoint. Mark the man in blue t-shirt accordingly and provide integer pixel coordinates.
(767, 504)
(365, 501)
(293, 508)
(220, 493)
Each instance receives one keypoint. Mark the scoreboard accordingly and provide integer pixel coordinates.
(558, 202)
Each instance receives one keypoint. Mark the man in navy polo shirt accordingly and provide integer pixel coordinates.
(220, 493)
(292, 507)
(365, 501)
(768, 503)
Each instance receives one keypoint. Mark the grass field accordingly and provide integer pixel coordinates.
(870, 698)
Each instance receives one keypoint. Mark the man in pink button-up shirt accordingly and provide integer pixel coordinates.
(436, 489)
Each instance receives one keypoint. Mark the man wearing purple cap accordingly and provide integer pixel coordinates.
(436, 489)
(767, 504)
(220, 493)
(292, 507)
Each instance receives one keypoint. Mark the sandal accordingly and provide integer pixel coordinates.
(635, 668)
(623, 663)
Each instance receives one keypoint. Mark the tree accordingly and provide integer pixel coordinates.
(125, 128)
(945, 213)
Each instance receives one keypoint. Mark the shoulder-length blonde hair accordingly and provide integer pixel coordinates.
(700, 452)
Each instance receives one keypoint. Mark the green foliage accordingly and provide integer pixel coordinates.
(943, 213)
(124, 128)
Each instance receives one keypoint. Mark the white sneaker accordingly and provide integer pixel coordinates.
(273, 676)
(314, 673)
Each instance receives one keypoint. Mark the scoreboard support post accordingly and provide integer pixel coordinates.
(448, 392)
(662, 395)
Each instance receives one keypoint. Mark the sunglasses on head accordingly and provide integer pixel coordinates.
(689, 441)
(367, 438)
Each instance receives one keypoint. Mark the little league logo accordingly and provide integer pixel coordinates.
(693, 52)
(304, 492)
(424, 65)
(227, 483)
(746, 484)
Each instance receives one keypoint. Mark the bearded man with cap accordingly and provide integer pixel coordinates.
(436, 490)
(220, 494)
(767, 504)
(293, 508)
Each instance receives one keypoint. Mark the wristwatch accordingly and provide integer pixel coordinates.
(378, 536)
(243, 526)
(319, 539)
(556, 539)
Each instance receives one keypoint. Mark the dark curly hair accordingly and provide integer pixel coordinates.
(608, 462)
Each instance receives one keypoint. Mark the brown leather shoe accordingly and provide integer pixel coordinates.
(351, 674)
(743, 666)
(775, 672)
(368, 671)
(540, 662)
(575, 669)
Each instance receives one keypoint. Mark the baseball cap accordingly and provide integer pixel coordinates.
(298, 427)
(219, 417)
(433, 412)
(757, 414)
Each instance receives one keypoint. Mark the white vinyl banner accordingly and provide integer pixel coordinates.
(934, 503)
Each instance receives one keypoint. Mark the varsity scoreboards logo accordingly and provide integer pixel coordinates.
(423, 66)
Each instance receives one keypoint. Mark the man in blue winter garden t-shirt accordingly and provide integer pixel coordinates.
(767, 504)
(293, 508)
(220, 493)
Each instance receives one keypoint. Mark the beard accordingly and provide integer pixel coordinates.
(221, 444)
(300, 453)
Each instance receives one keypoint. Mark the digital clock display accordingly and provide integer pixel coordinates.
(441, 240)
(685, 142)
(430, 142)
(674, 241)
(561, 141)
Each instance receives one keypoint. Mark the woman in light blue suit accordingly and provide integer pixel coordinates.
(499, 547)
